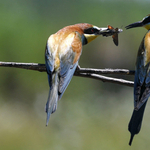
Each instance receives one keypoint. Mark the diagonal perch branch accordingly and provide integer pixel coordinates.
(82, 72)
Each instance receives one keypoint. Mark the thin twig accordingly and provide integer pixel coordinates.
(106, 79)
(82, 72)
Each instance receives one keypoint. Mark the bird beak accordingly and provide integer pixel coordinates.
(134, 25)
(103, 29)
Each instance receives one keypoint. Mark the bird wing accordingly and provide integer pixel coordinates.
(69, 54)
(142, 76)
(50, 54)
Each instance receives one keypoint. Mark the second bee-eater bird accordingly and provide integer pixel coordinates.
(142, 79)
(63, 50)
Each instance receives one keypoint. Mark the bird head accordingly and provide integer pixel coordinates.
(144, 23)
(90, 32)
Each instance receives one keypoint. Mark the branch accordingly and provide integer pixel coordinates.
(30, 66)
(106, 79)
(106, 71)
(82, 72)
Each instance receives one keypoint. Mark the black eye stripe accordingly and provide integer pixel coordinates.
(146, 20)
(91, 31)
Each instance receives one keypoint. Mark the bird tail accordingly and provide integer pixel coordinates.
(136, 122)
(51, 104)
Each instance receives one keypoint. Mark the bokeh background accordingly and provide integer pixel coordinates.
(91, 115)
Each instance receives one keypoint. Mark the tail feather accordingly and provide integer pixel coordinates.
(131, 139)
(51, 104)
(136, 122)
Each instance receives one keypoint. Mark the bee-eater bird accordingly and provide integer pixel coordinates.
(63, 50)
(142, 79)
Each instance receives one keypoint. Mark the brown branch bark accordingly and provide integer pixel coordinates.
(82, 72)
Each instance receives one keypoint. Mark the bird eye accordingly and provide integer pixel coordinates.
(90, 31)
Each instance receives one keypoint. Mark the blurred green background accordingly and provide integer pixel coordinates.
(91, 115)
